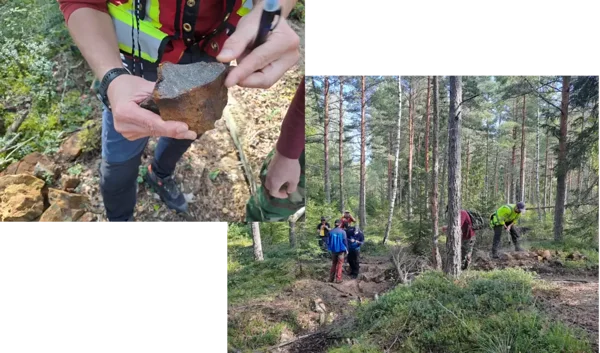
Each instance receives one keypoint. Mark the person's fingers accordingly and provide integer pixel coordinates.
(151, 124)
(268, 75)
(277, 44)
(292, 186)
(237, 43)
(274, 187)
(158, 127)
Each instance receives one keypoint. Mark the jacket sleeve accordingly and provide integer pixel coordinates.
(361, 237)
(291, 138)
(67, 7)
(346, 240)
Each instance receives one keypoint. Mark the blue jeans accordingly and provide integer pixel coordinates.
(121, 158)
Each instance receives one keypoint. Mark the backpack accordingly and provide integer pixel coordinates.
(478, 220)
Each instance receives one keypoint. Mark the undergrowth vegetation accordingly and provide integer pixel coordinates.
(480, 312)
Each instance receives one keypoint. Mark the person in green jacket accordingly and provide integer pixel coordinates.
(504, 218)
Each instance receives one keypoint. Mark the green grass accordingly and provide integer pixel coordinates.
(481, 312)
(253, 330)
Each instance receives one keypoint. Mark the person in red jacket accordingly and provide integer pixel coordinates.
(124, 41)
(467, 239)
(347, 219)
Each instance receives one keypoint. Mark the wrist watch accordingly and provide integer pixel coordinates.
(106, 80)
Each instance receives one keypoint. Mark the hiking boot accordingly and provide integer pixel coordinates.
(518, 248)
(168, 191)
(338, 281)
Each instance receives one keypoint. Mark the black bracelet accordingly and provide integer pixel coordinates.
(106, 80)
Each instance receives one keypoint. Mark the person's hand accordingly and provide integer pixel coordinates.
(125, 93)
(507, 227)
(280, 171)
(352, 240)
(265, 65)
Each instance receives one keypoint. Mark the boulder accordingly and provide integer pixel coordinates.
(546, 255)
(64, 206)
(192, 93)
(28, 165)
(21, 198)
(575, 256)
(71, 148)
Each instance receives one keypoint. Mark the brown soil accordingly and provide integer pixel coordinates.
(573, 301)
(337, 300)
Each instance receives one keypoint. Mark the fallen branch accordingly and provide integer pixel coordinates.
(341, 291)
(17, 147)
(294, 218)
(292, 341)
(566, 206)
(10, 143)
(17, 123)
(231, 126)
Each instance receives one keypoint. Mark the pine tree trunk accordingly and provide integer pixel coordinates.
(522, 170)
(580, 172)
(436, 257)
(363, 151)
(388, 227)
(411, 138)
(550, 194)
(442, 206)
(546, 189)
(427, 128)
(256, 242)
(466, 183)
(561, 173)
(513, 184)
(326, 142)
(452, 265)
(537, 162)
(496, 163)
(292, 234)
(487, 162)
(341, 146)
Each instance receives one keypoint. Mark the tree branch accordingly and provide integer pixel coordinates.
(534, 90)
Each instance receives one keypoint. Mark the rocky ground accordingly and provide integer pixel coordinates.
(210, 173)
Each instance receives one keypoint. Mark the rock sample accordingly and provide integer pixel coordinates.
(192, 93)
(21, 198)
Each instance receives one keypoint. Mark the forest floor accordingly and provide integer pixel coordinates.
(302, 316)
(210, 173)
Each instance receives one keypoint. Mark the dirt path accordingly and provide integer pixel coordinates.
(314, 302)
(572, 300)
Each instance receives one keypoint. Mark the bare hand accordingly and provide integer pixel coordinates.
(280, 171)
(265, 65)
(124, 94)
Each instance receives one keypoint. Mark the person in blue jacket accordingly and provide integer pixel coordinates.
(337, 244)
(355, 239)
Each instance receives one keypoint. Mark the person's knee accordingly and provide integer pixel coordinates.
(118, 177)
